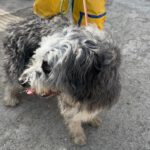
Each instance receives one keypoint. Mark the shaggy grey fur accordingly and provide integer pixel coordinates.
(21, 41)
(77, 62)
(82, 64)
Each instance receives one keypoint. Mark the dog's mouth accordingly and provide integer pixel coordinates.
(30, 91)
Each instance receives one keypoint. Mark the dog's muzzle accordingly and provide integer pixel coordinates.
(30, 91)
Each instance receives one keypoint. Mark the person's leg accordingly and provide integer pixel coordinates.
(49, 8)
(96, 12)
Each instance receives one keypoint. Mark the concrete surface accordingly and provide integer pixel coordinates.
(37, 125)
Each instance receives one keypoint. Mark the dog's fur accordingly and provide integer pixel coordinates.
(80, 63)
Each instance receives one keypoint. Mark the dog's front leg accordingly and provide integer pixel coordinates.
(11, 95)
(77, 132)
(72, 119)
(95, 122)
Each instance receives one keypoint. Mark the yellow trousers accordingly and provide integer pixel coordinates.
(95, 8)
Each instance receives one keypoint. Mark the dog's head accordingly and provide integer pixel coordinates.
(76, 63)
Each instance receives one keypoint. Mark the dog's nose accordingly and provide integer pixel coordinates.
(22, 83)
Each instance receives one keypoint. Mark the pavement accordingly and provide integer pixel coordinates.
(36, 123)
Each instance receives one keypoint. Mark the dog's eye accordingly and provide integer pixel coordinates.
(46, 67)
(38, 73)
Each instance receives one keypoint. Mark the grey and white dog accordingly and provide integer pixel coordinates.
(81, 65)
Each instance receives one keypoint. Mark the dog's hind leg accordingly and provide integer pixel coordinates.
(11, 94)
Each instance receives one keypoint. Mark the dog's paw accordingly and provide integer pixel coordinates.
(80, 139)
(95, 122)
(11, 102)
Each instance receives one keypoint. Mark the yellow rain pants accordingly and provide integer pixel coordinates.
(95, 8)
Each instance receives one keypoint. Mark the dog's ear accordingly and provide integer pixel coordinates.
(107, 57)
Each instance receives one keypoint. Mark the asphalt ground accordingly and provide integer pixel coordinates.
(36, 123)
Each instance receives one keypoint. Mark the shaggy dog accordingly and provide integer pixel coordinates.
(79, 65)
